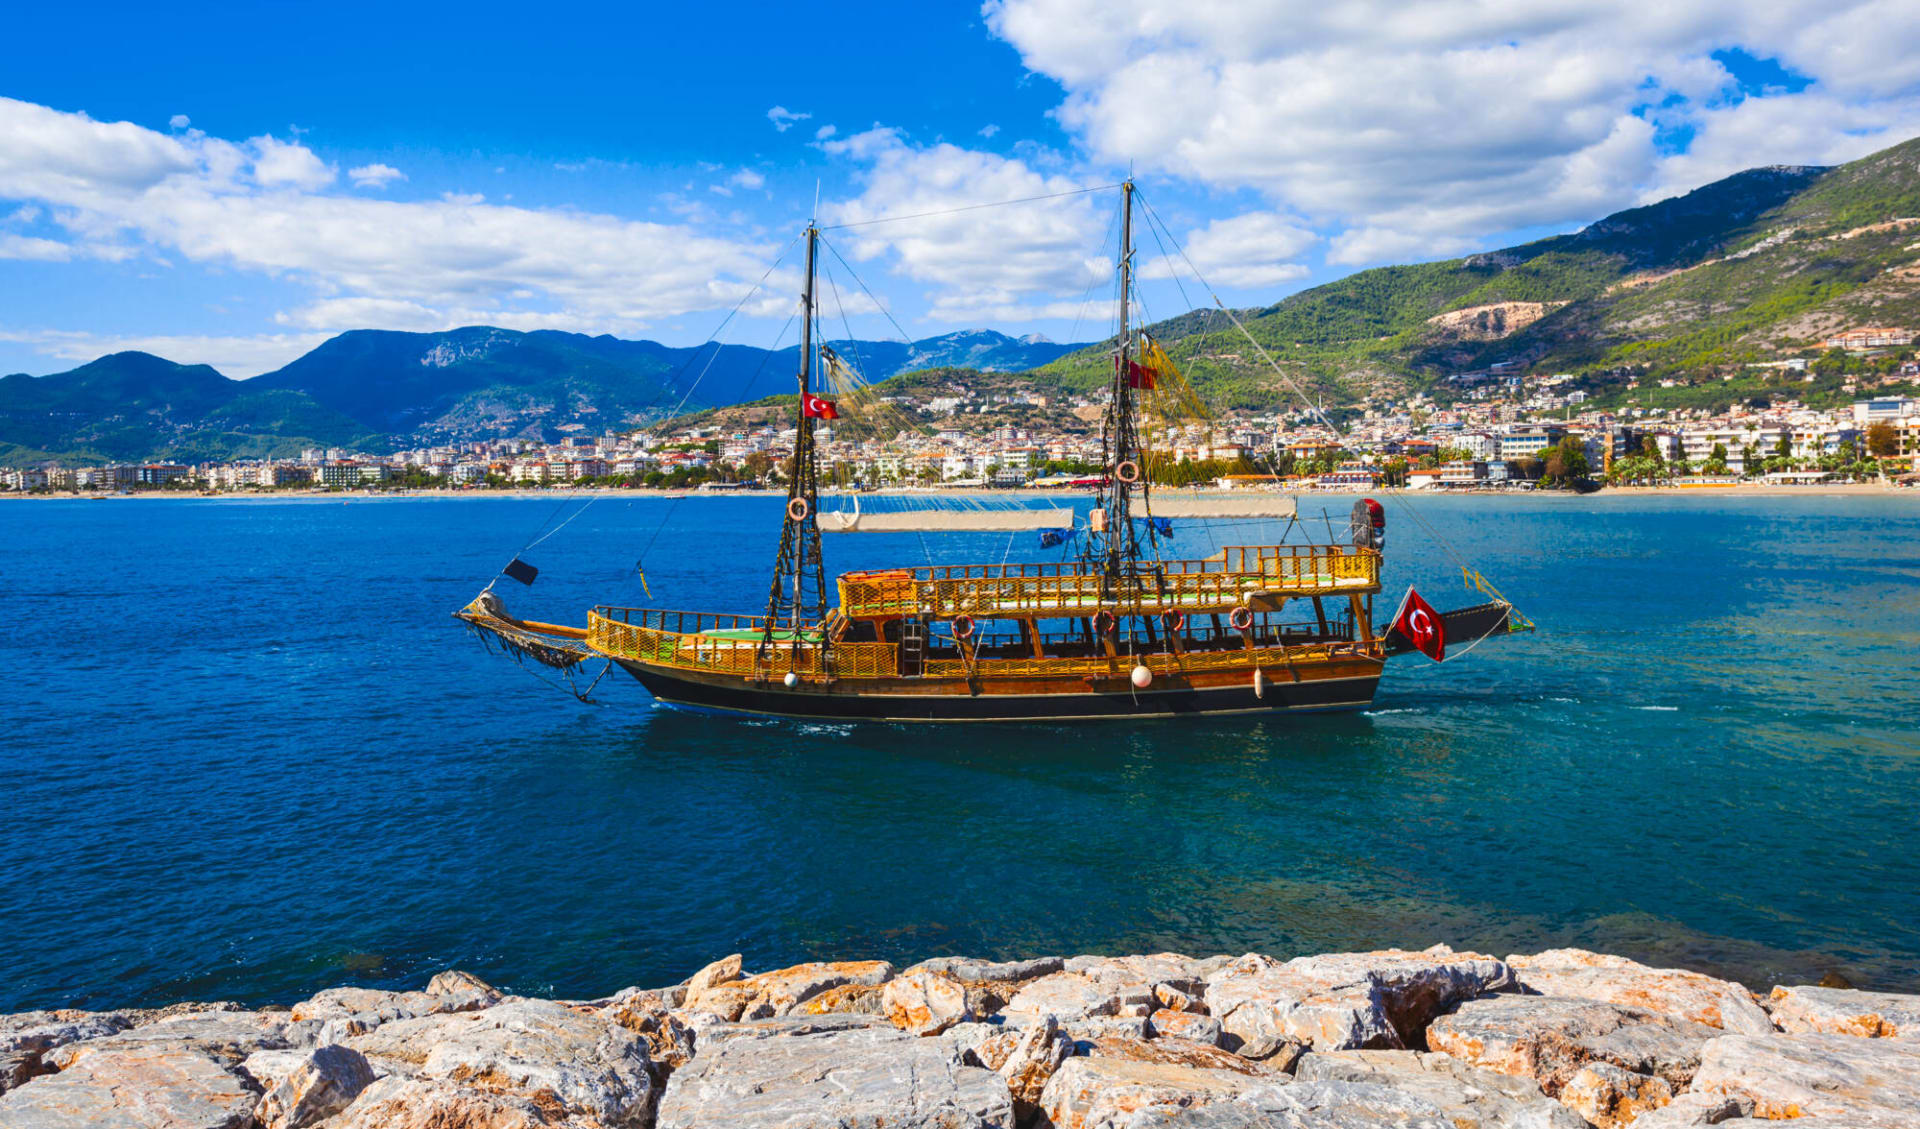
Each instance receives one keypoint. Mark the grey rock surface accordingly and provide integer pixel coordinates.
(1348, 1000)
(1548, 1039)
(1810, 1010)
(1471, 1098)
(874, 1078)
(1792, 1076)
(132, 1086)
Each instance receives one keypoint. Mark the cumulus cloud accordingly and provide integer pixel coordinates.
(271, 207)
(179, 121)
(783, 119)
(374, 175)
(748, 179)
(1035, 260)
(1254, 249)
(33, 248)
(1419, 130)
(278, 164)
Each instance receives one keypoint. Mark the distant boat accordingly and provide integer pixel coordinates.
(1121, 630)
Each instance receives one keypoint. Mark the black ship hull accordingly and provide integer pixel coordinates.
(1352, 692)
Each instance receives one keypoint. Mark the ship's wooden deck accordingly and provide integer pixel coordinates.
(863, 639)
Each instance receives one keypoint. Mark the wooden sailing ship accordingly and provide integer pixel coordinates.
(1120, 631)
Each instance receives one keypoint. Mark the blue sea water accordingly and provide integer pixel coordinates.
(246, 754)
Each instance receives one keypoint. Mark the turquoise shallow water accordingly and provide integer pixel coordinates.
(247, 754)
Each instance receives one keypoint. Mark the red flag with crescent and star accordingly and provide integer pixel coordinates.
(1422, 626)
(817, 407)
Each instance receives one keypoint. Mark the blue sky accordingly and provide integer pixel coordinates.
(236, 184)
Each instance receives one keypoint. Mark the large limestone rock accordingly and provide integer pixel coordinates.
(1690, 1110)
(26, 1038)
(1549, 1040)
(1104, 1092)
(872, 1077)
(549, 1053)
(1348, 1000)
(303, 1087)
(1078, 995)
(1662, 991)
(723, 971)
(132, 1086)
(670, 1038)
(404, 1044)
(226, 1036)
(1027, 1058)
(780, 992)
(1843, 1011)
(409, 1103)
(1303, 1105)
(1791, 1076)
(925, 1003)
(967, 969)
(1610, 1097)
(1181, 973)
(1185, 1025)
(344, 1012)
(1468, 1097)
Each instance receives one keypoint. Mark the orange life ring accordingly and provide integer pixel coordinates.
(962, 626)
(1241, 618)
(1173, 621)
(1105, 622)
(797, 509)
(1128, 471)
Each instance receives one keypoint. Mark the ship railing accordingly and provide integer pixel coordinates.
(1273, 659)
(1196, 635)
(1218, 583)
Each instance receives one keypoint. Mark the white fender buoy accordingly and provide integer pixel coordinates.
(1259, 683)
(1142, 677)
(791, 680)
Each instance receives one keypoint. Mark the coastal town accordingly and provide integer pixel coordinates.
(1505, 433)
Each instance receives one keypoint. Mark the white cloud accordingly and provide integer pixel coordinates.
(1424, 129)
(374, 175)
(748, 179)
(238, 357)
(271, 208)
(824, 132)
(1246, 250)
(287, 164)
(981, 262)
(987, 131)
(179, 121)
(783, 119)
(30, 247)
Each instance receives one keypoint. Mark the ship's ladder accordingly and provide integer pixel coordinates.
(913, 646)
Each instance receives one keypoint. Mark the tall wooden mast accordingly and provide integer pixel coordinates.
(1116, 547)
(799, 592)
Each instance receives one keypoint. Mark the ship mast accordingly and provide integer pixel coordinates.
(799, 574)
(1116, 547)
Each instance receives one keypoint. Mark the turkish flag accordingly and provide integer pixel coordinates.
(1422, 626)
(1139, 376)
(814, 407)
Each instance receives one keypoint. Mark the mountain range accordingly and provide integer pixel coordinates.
(374, 389)
(1763, 262)
(1742, 270)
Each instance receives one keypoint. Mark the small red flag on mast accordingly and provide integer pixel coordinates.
(816, 407)
(1422, 626)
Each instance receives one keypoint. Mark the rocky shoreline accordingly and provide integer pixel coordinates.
(1420, 1040)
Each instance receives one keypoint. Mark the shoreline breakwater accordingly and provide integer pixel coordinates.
(1434, 1039)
